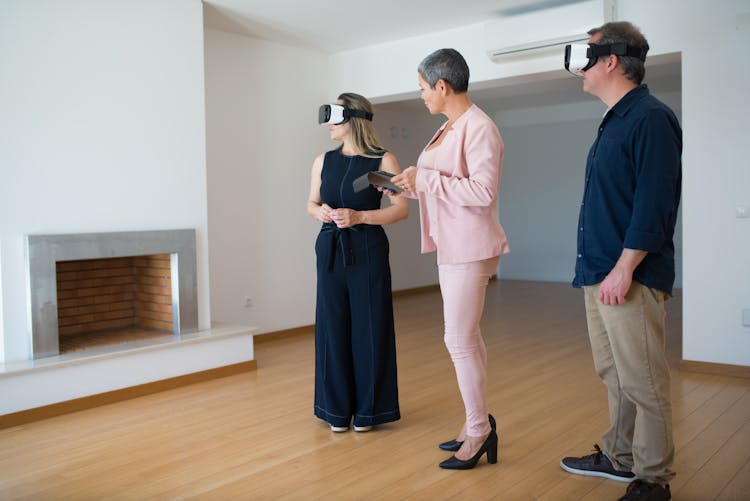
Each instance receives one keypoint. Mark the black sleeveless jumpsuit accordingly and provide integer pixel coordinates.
(355, 348)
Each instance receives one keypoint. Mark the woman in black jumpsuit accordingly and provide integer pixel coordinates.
(355, 351)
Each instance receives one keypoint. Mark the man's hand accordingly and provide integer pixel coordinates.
(616, 284)
(615, 287)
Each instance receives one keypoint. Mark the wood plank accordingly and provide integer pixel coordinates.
(253, 436)
(93, 401)
(712, 368)
(722, 467)
(738, 489)
(700, 454)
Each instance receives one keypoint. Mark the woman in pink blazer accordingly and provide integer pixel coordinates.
(456, 180)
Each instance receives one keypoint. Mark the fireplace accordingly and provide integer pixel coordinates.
(86, 290)
(113, 300)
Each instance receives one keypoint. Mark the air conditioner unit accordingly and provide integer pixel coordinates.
(538, 31)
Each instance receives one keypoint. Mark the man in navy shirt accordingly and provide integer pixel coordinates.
(625, 260)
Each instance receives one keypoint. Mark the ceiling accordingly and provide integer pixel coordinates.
(335, 25)
(663, 74)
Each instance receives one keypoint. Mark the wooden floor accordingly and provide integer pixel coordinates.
(253, 436)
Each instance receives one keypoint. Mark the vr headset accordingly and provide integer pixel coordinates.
(581, 57)
(334, 114)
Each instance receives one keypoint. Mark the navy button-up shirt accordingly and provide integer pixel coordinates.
(631, 192)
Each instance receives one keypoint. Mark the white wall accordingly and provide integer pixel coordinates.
(540, 196)
(404, 132)
(102, 96)
(545, 157)
(262, 136)
(262, 101)
(2, 336)
(716, 172)
(102, 129)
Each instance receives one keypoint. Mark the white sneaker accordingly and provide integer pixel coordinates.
(362, 428)
(339, 429)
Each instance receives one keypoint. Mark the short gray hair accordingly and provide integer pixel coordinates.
(448, 65)
(624, 32)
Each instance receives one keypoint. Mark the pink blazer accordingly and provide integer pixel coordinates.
(465, 179)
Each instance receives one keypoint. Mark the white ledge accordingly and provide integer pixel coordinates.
(122, 349)
(35, 383)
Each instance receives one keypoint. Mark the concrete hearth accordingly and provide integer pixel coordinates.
(37, 383)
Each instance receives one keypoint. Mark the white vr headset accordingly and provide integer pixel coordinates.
(581, 57)
(334, 114)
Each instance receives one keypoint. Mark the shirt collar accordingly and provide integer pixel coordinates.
(630, 99)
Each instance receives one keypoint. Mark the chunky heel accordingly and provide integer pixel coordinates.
(492, 452)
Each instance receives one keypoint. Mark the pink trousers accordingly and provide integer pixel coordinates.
(463, 287)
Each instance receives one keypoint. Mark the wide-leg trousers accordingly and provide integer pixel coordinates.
(628, 345)
(463, 287)
(355, 347)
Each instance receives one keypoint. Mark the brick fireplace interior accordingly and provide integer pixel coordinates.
(87, 290)
(113, 300)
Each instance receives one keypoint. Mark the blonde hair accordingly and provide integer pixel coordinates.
(362, 131)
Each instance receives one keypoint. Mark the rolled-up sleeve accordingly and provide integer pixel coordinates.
(657, 148)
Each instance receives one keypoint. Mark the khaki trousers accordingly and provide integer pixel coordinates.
(628, 345)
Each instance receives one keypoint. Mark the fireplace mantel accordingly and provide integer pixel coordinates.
(44, 251)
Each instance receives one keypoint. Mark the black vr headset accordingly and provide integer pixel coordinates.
(334, 114)
(581, 57)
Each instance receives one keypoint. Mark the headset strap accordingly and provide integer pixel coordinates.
(358, 113)
(618, 49)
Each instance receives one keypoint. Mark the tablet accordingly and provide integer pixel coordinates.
(376, 178)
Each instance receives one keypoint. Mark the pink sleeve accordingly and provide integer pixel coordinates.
(483, 152)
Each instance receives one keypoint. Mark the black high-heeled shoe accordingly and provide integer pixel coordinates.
(489, 446)
(454, 445)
